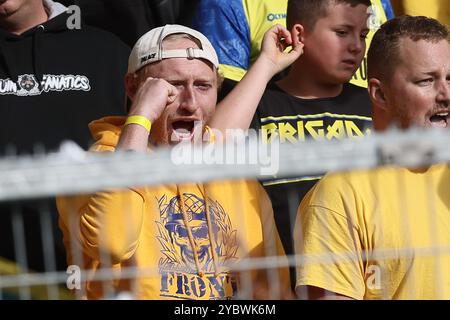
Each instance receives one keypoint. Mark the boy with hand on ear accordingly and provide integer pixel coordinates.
(315, 99)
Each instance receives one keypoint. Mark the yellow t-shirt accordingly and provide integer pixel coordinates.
(151, 229)
(380, 234)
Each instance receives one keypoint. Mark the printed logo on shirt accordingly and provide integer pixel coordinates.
(180, 265)
(301, 127)
(276, 16)
(27, 85)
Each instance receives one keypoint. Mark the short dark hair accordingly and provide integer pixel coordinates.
(383, 52)
(307, 12)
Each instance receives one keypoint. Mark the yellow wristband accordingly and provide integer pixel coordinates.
(140, 120)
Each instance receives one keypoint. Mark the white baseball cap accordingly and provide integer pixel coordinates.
(148, 49)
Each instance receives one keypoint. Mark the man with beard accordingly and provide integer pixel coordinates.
(378, 234)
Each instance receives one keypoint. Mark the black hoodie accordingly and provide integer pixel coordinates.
(55, 80)
(130, 19)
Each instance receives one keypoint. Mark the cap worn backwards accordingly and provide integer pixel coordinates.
(148, 49)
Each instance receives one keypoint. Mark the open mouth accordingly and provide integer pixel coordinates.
(440, 119)
(183, 130)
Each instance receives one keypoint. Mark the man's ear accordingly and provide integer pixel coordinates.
(377, 93)
(298, 32)
(381, 114)
(131, 85)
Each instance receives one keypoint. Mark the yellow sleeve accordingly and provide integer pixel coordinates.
(329, 243)
(105, 224)
(232, 72)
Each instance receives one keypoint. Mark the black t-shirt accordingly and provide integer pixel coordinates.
(293, 120)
